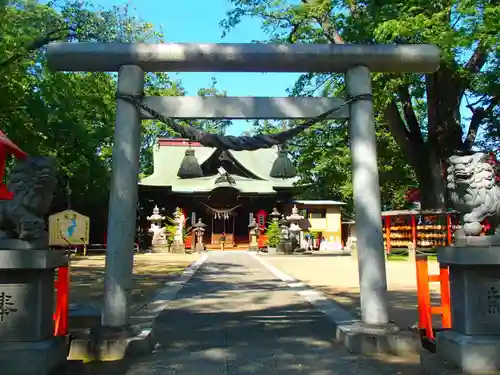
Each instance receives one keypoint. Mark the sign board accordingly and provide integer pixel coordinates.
(67, 228)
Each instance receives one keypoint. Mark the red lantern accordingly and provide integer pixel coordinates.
(7, 147)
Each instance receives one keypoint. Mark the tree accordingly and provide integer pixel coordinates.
(322, 159)
(272, 233)
(422, 112)
(70, 115)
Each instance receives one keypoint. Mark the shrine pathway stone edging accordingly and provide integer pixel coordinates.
(235, 317)
(402, 343)
(143, 341)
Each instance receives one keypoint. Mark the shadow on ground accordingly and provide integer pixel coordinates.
(223, 324)
(402, 305)
(305, 255)
(87, 285)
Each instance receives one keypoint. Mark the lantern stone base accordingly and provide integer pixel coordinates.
(27, 345)
(280, 248)
(33, 358)
(199, 247)
(473, 343)
(178, 248)
(284, 247)
(163, 248)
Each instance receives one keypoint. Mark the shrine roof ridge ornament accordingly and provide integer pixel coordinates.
(257, 57)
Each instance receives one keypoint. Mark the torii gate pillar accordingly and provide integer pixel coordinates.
(357, 61)
(366, 190)
(123, 202)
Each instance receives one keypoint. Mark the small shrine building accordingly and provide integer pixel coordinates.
(226, 189)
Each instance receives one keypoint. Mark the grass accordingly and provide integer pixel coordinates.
(399, 255)
(150, 273)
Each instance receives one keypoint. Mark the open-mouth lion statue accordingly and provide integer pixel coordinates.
(471, 182)
(33, 182)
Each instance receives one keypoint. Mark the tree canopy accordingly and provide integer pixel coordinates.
(421, 119)
(71, 115)
(426, 115)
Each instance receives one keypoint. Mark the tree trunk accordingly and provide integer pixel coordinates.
(428, 154)
(431, 181)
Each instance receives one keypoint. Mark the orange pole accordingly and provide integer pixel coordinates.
(414, 231)
(448, 229)
(388, 234)
(444, 276)
(423, 296)
(61, 314)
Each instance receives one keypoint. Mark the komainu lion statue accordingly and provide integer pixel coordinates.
(471, 181)
(33, 182)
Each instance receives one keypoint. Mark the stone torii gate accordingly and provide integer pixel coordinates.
(133, 60)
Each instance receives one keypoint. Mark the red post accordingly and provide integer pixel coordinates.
(388, 234)
(424, 297)
(262, 239)
(444, 276)
(448, 229)
(414, 231)
(425, 309)
(7, 147)
(61, 314)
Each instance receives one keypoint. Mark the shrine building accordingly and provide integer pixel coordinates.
(227, 189)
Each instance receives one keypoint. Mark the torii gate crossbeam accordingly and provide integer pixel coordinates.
(133, 60)
(259, 57)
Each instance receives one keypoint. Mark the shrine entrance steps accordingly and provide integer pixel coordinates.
(241, 246)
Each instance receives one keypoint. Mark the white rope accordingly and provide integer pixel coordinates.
(221, 213)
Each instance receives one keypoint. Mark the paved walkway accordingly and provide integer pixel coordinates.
(338, 278)
(234, 318)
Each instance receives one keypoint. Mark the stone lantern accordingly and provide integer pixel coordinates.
(275, 215)
(199, 231)
(159, 242)
(178, 221)
(295, 229)
(253, 229)
(284, 244)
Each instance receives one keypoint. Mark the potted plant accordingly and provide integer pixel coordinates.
(273, 233)
(171, 229)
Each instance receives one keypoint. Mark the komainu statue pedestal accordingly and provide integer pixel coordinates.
(473, 343)
(27, 344)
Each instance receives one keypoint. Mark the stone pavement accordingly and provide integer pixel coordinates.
(234, 318)
(337, 277)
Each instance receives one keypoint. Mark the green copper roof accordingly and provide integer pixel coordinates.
(167, 159)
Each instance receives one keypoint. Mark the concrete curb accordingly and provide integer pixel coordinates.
(433, 365)
(85, 348)
(401, 343)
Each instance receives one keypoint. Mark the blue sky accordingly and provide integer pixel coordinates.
(197, 21)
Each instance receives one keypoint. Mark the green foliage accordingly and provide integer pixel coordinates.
(71, 115)
(66, 115)
(272, 233)
(171, 229)
(323, 162)
(421, 112)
